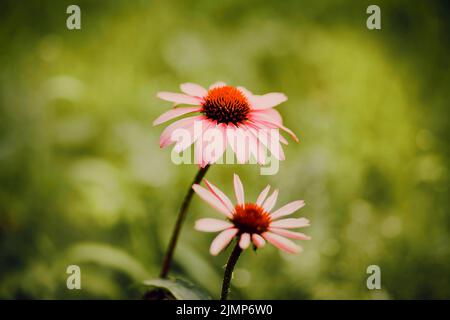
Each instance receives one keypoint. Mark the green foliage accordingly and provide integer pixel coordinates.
(180, 289)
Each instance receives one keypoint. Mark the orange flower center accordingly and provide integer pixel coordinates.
(226, 105)
(251, 218)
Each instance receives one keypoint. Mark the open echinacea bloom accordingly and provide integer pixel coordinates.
(237, 115)
(250, 222)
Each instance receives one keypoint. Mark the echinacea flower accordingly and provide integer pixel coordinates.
(235, 113)
(250, 222)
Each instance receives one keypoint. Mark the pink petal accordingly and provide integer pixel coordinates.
(220, 195)
(222, 240)
(290, 234)
(290, 223)
(238, 190)
(270, 202)
(268, 121)
(179, 98)
(211, 199)
(166, 136)
(267, 101)
(262, 196)
(270, 113)
(255, 148)
(242, 150)
(212, 225)
(267, 138)
(244, 242)
(258, 240)
(281, 242)
(200, 146)
(287, 209)
(289, 131)
(193, 89)
(247, 143)
(173, 113)
(278, 152)
(283, 140)
(217, 84)
(247, 93)
(215, 144)
(263, 125)
(233, 141)
(261, 122)
(198, 154)
(194, 134)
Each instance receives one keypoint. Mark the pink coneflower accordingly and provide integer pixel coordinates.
(250, 222)
(234, 112)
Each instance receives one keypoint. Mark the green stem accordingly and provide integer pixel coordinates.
(179, 223)
(229, 271)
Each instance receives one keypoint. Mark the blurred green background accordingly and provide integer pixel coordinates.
(83, 180)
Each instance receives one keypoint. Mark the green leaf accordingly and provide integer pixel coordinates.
(180, 289)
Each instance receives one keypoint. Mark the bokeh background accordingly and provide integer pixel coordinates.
(83, 180)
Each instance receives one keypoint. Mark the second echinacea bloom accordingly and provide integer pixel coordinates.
(250, 222)
(246, 122)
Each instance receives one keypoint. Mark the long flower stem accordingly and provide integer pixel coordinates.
(229, 271)
(179, 223)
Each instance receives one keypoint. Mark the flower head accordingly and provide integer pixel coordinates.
(250, 222)
(235, 113)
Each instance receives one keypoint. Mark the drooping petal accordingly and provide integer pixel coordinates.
(210, 198)
(212, 225)
(289, 131)
(198, 154)
(215, 144)
(281, 242)
(220, 195)
(287, 209)
(179, 98)
(283, 140)
(222, 240)
(290, 234)
(193, 136)
(290, 223)
(246, 143)
(242, 152)
(217, 84)
(166, 136)
(268, 100)
(234, 141)
(173, 113)
(270, 140)
(255, 148)
(278, 152)
(244, 242)
(262, 196)
(268, 121)
(258, 241)
(200, 145)
(239, 190)
(193, 89)
(270, 202)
